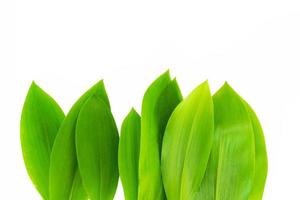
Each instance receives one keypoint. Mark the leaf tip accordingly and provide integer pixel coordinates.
(206, 82)
(133, 111)
(226, 88)
(100, 83)
(166, 74)
(34, 90)
(167, 71)
(34, 85)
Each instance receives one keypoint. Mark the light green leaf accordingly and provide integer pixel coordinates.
(97, 142)
(261, 160)
(159, 101)
(129, 150)
(40, 120)
(230, 170)
(63, 166)
(187, 143)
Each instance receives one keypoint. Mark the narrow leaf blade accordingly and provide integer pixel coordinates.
(261, 160)
(129, 150)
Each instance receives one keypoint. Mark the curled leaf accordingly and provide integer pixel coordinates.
(97, 149)
(159, 101)
(129, 150)
(63, 166)
(40, 121)
(187, 144)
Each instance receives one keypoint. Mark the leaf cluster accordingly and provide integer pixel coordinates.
(201, 147)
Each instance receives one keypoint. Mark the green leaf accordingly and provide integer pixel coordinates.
(78, 191)
(97, 149)
(63, 166)
(40, 120)
(159, 101)
(230, 171)
(129, 150)
(187, 143)
(261, 160)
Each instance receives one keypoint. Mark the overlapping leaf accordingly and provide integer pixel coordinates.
(97, 149)
(187, 143)
(230, 171)
(213, 147)
(40, 121)
(129, 150)
(261, 160)
(159, 101)
(64, 179)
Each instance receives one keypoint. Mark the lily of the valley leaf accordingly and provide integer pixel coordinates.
(230, 171)
(40, 121)
(129, 150)
(64, 180)
(187, 144)
(261, 160)
(159, 101)
(201, 148)
(97, 149)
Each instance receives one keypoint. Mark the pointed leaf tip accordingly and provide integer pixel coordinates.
(233, 146)
(97, 149)
(63, 171)
(33, 84)
(159, 101)
(129, 150)
(40, 121)
(187, 143)
(35, 88)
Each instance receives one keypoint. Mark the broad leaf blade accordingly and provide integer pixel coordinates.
(40, 121)
(261, 160)
(63, 166)
(187, 144)
(230, 170)
(159, 101)
(97, 149)
(129, 150)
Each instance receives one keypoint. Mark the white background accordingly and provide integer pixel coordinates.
(67, 46)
